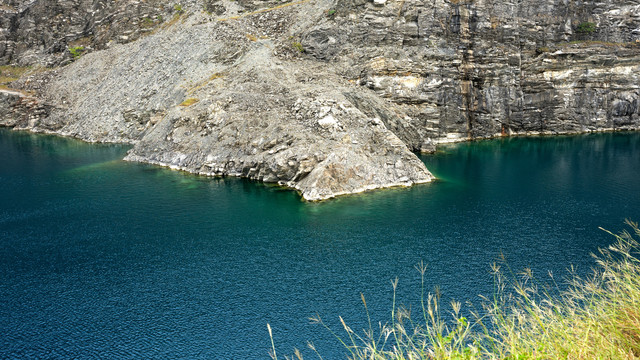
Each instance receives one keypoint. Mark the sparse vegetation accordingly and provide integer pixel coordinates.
(203, 83)
(76, 51)
(179, 11)
(298, 46)
(147, 22)
(189, 102)
(597, 317)
(542, 50)
(9, 73)
(586, 28)
(330, 13)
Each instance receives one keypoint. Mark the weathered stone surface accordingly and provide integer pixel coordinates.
(41, 32)
(330, 97)
(253, 114)
(21, 111)
(472, 69)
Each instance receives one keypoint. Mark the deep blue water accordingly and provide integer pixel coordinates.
(101, 258)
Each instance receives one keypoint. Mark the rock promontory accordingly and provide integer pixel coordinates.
(328, 97)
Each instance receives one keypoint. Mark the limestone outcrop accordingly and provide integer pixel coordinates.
(328, 97)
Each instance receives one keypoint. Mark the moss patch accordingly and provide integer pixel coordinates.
(189, 102)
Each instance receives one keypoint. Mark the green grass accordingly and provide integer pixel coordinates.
(597, 317)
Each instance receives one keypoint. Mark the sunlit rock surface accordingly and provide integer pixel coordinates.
(327, 97)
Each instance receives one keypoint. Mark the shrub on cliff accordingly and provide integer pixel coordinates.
(586, 28)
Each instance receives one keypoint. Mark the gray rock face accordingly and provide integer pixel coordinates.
(206, 97)
(331, 97)
(42, 31)
(21, 111)
(461, 70)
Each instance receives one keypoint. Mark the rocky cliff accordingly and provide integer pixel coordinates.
(325, 96)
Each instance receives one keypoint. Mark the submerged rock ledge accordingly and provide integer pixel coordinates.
(325, 97)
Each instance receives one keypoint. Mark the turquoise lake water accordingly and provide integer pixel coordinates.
(101, 258)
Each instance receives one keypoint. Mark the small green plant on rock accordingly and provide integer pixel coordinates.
(189, 102)
(76, 51)
(586, 28)
(147, 22)
(298, 46)
(178, 8)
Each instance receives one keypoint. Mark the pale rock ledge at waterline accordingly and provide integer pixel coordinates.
(328, 97)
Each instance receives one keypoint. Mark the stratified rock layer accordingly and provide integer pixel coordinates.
(461, 70)
(327, 97)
